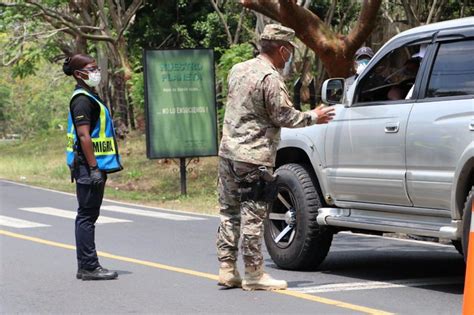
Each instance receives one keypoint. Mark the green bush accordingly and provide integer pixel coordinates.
(231, 56)
(137, 93)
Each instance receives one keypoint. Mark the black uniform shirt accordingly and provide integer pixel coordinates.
(84, 111)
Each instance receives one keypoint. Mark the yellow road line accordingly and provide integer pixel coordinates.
(112, 256)
(300, 295)
(322, 300)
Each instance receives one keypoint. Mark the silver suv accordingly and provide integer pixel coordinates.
(398, 157)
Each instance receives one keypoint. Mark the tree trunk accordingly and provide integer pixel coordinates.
(335, 50)
(119, 99)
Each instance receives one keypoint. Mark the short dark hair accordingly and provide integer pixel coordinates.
(270, 46)
(76, 62)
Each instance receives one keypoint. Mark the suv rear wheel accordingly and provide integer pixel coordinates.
(293, 237)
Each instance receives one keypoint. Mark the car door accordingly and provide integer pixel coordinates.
(441, 125)
(365, 143)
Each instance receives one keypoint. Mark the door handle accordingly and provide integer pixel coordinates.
(392, 127)
(471, 125)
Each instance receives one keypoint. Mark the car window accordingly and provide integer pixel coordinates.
(453, 70)
(393, 77)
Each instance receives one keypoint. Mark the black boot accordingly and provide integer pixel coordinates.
(98, 273)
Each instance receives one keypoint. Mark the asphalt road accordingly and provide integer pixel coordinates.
(167, 264)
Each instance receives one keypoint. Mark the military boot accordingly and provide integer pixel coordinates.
(256, 279)
(229, 275)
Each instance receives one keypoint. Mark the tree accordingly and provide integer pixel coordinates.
(335, 50)
(419, 12)
(103, 23)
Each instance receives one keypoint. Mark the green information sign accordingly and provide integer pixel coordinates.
(180, 103)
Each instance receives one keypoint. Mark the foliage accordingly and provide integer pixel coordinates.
(213, 32)
(25, 42)
(182, 35)
(233, 55)
(5, 96)
(168, 24)
(30, 106)
(137, 92)
(345, 13)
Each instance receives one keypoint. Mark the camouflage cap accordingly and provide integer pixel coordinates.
(278, 32)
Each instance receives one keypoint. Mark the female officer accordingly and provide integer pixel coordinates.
(91, 154)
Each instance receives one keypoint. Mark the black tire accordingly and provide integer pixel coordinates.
(466, 223)
(308, 243)
(458, 245)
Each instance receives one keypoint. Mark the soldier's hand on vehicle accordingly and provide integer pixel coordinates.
(325, 114)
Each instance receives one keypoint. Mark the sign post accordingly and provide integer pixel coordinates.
(182, 175)
(180, 104)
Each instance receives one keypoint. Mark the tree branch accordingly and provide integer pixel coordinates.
(56, 14)
(113, 15)
(308, 27)
(239, 26)
(129, 14)
(411, 16)
(75, 28)
(268, 8)
(386, 14)
(432, 12)
(223, 21)
(102, 16)
(439, 11)
(365, 25)
(330, 13)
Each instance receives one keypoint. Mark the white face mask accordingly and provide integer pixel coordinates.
(94, 78)
(361, 65)
(287, 68)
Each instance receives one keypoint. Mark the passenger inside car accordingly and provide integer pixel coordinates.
(393, 77)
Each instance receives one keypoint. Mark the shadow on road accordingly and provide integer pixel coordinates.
(373, 259)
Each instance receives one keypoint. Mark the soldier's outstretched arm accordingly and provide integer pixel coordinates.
(280, 108)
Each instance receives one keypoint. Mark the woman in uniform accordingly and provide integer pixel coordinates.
(91, 154)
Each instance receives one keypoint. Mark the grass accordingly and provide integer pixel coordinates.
(40, 161)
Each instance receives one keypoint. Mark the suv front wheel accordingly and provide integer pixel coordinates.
(293, 237)
(467, 223)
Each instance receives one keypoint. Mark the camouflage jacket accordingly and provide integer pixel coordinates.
(258, 105)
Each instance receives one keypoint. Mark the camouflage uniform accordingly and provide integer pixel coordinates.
(258, 105)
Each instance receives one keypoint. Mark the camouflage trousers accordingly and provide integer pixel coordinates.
(238, 217)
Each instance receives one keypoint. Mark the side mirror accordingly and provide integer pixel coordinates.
(332, 91)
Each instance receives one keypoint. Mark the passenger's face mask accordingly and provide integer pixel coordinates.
(287, 68)
(93, 78)
(361, 65)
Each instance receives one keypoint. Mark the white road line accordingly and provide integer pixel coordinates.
(152, 214)
(70, 214)
(18, 223)
(111, 200)
(370, 285)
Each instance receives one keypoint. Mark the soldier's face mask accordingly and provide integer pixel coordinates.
(287, 68)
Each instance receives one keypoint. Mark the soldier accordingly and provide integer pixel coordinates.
(258, 105)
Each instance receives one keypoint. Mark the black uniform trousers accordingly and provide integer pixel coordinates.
(90, 199)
